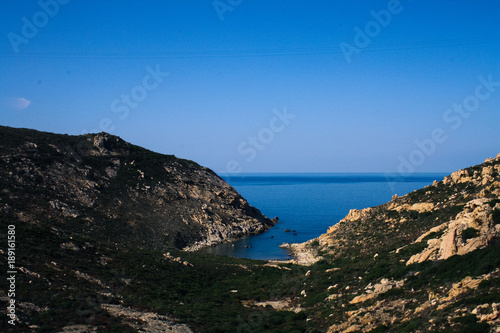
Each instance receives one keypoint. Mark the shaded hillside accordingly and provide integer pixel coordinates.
(77, 284)
(102, 187)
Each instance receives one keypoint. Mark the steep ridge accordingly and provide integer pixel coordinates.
(103, 187)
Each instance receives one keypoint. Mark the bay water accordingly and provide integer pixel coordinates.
(307, 204)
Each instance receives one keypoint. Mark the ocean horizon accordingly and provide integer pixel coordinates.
(307, 204)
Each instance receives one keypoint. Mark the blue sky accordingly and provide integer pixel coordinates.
(261, 86)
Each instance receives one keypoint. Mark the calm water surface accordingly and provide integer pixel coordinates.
(307, 204)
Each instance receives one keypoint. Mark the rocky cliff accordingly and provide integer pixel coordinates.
(103, 187)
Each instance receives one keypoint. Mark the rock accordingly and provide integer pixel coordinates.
(447, 246)
(303, 254)
(78, 329)
(374, 291)
(332, 297)
(477, 214)
(70, 246)
(422, 207)
(146, 321)
(368, 318)
(64, 208)
(465, 286)
(460, 176)
(278, 305)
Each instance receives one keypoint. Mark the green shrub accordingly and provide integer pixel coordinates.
(496, 216)
(493, 202)
(486, 284)
(470, 324)
(399, 292)
(411, 325)
(433, 235)
(469, 233)
(377, 271)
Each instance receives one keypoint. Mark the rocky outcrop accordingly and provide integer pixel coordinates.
(279, 305)
(373, 291)
(112, 191)
(473, 228)
(366, 319)
(388, 312)
(147, 322)
(304, 254)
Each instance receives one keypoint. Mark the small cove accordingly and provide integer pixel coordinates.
(307, 204)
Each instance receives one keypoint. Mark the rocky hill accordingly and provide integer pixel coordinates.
(427, 261)
(112, 191)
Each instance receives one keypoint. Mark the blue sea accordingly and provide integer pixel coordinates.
(307, 204)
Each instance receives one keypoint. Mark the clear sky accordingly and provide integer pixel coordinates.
(262, 86)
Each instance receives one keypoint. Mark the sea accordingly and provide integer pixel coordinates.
(307, 204)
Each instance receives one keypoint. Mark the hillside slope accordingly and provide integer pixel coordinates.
(112, 191)
(426, 261)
